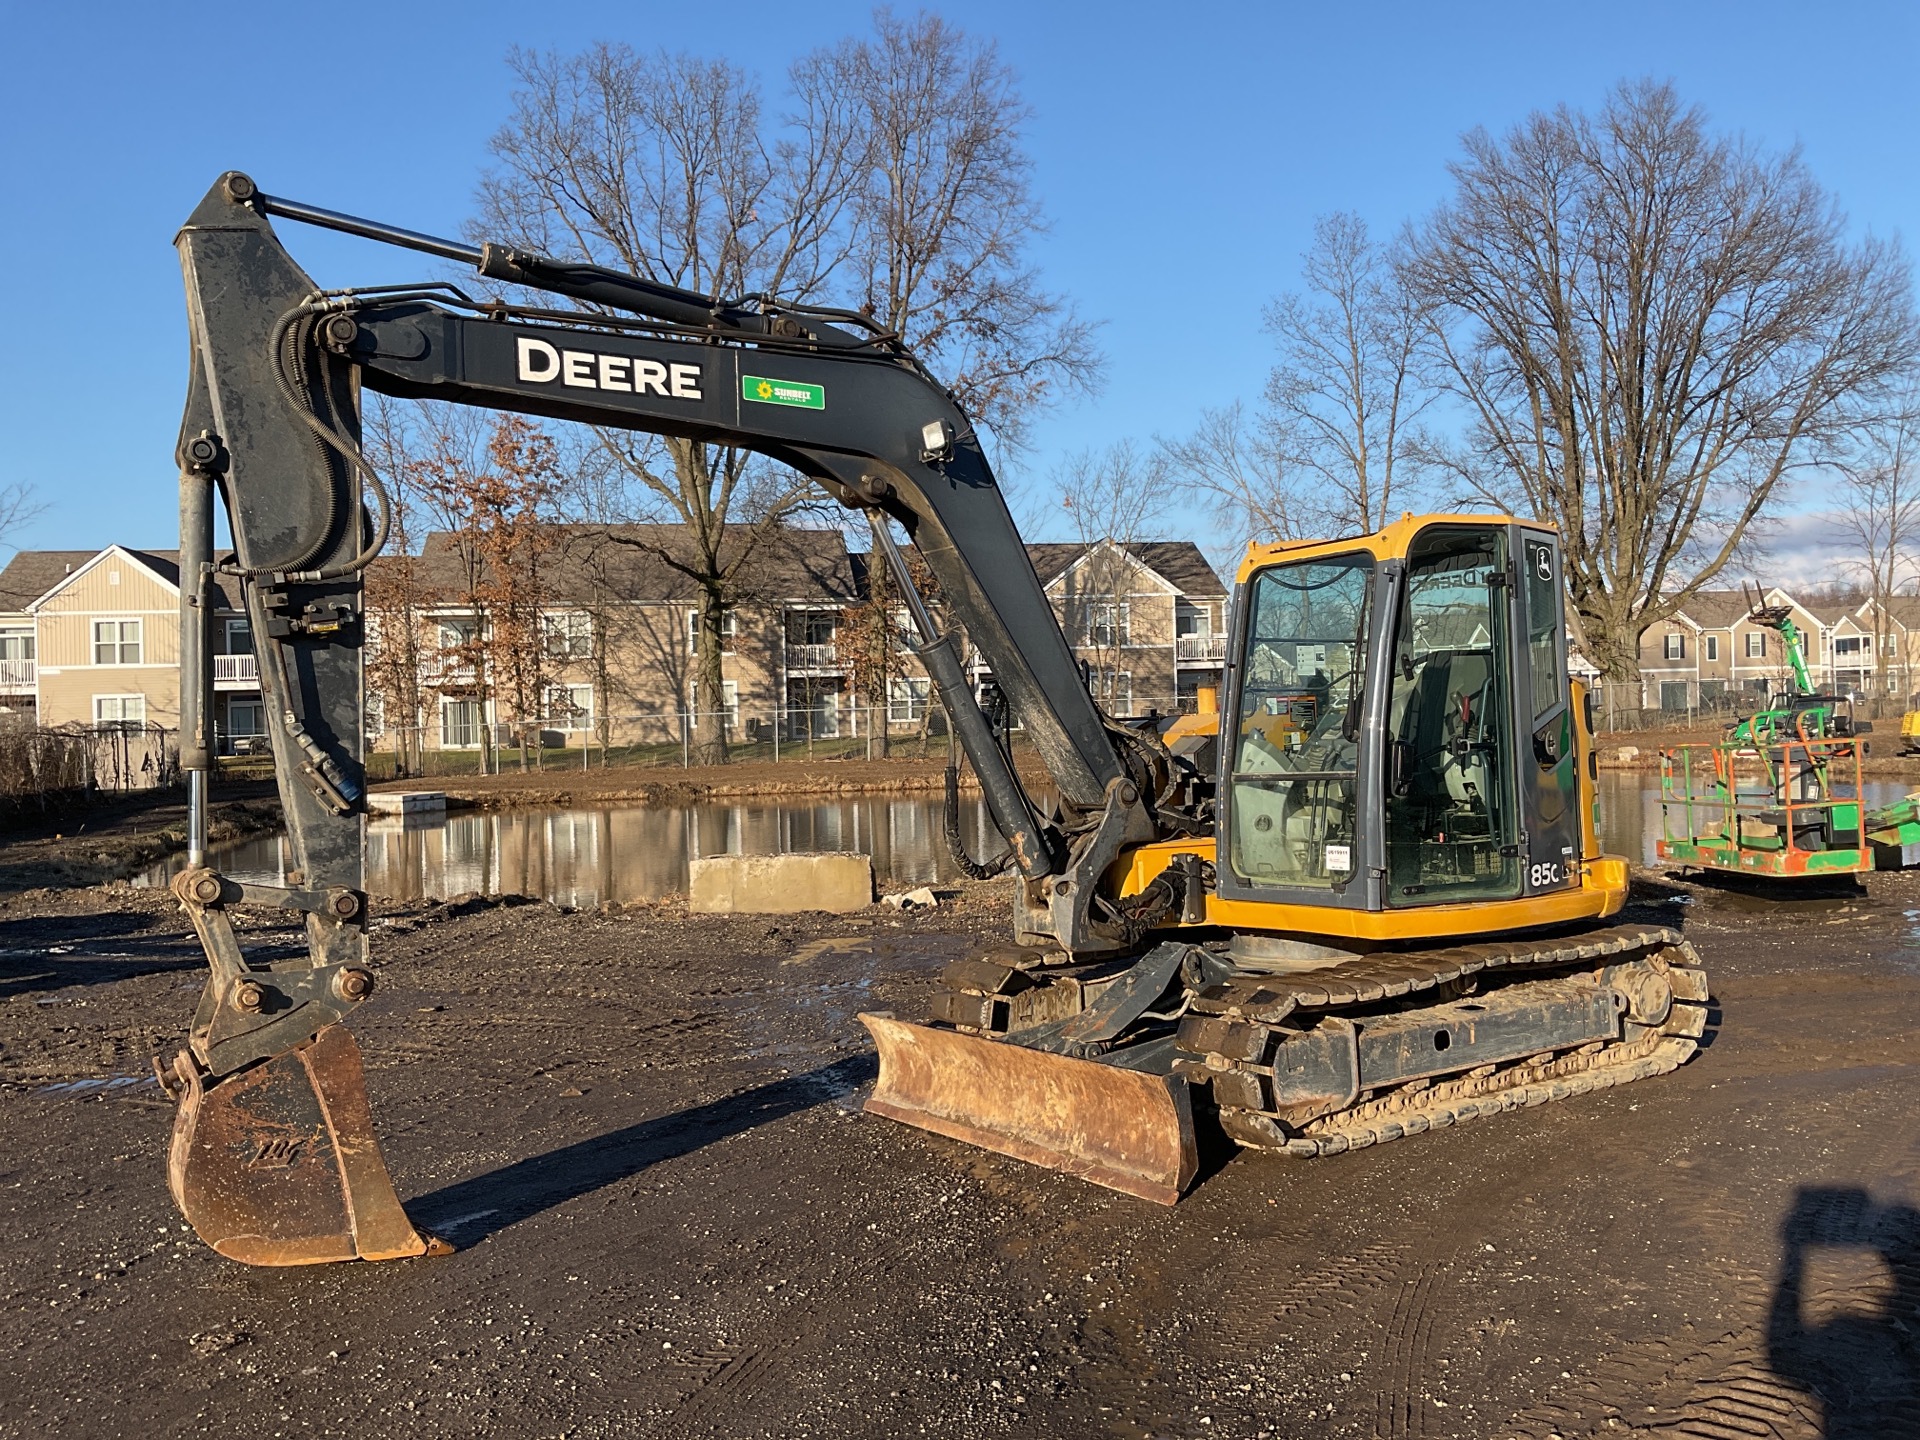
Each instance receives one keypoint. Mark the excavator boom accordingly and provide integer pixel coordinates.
(274, 1157)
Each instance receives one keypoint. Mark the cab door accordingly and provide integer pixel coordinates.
(1546, 765)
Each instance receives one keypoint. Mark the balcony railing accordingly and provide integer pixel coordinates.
(17, 674)
(813, 657)
(1200, 647)
(236, 670)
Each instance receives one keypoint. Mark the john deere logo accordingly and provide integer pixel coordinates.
(783, 392)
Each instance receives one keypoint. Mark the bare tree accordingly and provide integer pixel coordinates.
(664, 166)
(17, 508)
(896, 173)
(1343, 402)
(1112, 498)
(396, 599)
(1230, 464)
(945, 212)
(1650, 327)
(1881, 514)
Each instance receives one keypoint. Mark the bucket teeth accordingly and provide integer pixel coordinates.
(1130, 1130)
(277, 1164)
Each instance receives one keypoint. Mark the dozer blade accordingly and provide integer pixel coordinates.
(277, 1164)
(1125, 1129)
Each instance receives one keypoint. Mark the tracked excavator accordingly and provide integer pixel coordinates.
(1366, 901)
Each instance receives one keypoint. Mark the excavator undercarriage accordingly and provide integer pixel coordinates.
(1310, 1063)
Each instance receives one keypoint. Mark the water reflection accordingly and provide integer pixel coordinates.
(1630, 811)
(588, 857)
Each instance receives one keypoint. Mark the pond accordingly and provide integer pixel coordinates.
(585, 856)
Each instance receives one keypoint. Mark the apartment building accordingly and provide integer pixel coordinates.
(92, 638)
(1147, 618)
(619, 614)
(1712, 653)
(616, 630)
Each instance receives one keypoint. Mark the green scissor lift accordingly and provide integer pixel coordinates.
(1780, 794)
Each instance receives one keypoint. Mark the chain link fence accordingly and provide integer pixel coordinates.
(40, 767)
(1618, 709)
(913, 727)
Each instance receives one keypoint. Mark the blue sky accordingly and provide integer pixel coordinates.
(1182, 154)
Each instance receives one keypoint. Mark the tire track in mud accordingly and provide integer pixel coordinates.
(1399, 1415)
(734, 1376)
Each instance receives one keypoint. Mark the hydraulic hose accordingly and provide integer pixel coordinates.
(293, 389)
(956, 844)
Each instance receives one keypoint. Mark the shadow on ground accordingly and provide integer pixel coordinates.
(59, 952)
(471, 1210)
(1848, 1336)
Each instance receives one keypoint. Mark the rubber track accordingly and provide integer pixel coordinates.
(1407, 1111)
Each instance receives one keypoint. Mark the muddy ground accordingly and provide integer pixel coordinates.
(643, 1129)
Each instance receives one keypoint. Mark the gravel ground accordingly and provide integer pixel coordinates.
(643, 1130)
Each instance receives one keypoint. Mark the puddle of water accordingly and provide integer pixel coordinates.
(586, 857)
(96, 1085)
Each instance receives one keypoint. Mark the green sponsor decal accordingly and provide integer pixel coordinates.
(783, 392)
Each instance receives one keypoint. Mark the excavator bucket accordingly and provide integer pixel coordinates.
(1126, 1129)
(277, 1164)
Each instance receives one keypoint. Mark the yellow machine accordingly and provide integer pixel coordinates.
(1395, 924)
(1362, 899)
(1910, 733)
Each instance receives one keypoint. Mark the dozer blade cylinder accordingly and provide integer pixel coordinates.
(1126, 1129)
(277, 1164)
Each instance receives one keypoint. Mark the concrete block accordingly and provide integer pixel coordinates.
(405, 802)
(779, 884)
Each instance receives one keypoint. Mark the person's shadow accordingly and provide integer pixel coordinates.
(1854, 1347)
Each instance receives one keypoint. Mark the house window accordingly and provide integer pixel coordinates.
(16, 644)
(456, 634)
(1756, 644)
(239, 638)
(119, 712)
(459, 724)
(728, 629)
(729, 700)
(813, 627)
(570, 707)
(1190, 621)
(907, 700)
(1114, 690)
(567, 637)
(1846, 645)
(1893, 685)
(1713, 647)
(116, 642)
(1893, 646)
(1108, 624)
(1676, 647)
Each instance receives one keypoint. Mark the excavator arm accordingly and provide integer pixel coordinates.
(274, 1158)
